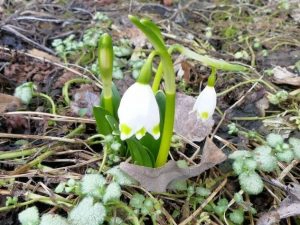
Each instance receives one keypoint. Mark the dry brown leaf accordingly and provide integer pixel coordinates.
(167, 2)
(158, 179)
(84, 100)
(262, 104)
(295, 14)
(9, 103)
(44, 55)
(290, 206)
(283, 76)
(186, 122)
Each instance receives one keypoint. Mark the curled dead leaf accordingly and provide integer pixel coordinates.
(9, 103)
(84, 100)
(158, 179)
(283, 76)
(290, 206)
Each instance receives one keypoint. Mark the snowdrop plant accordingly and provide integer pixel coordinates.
(138, 111)
(144, 117)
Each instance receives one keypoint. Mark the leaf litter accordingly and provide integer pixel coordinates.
(158, 179)
(277, 36)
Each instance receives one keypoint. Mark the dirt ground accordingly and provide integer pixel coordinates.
(263, 35)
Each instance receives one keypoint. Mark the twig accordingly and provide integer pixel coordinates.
(10, 29)
(198, 211)
(39, 137)
(53, 117)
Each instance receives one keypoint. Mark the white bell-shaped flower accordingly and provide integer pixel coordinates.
(206, 103)
(138, 112)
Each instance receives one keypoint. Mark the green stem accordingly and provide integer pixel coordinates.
(167, 131)
(212, 78)
(153, 220)
(253, 118)
(157, 78)
(65, 90)
(107, 96)
(18, 205)
(159, 73)
(134, 219)
(48, 98)
(146, 71)
(55, 200)
(208, 61)
(17, 153)
(105, 65)
(243, 83)
(105, 154)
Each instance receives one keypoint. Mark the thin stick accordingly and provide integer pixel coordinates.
(198, 211)
(39, 137)
(53, 117)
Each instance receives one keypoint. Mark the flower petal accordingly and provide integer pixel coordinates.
(138, 112)
(206, 103)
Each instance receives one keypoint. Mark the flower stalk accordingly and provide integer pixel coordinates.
(105, 63)
(153, 34)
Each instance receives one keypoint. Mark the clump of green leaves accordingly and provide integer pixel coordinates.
(145, 206)
(232, 129)
(71, 186)
(93, 209)
(29, 216)
(263, 158)
(25, 92)
(11, 201)
(278, 98)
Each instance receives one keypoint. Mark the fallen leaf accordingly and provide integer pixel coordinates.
(9, 103)
(262, 104)
(167, 2)
(136, 37)
(66, 76)
(186, 122)
(295, 14)
(290, 206)
(158, 179)
(283, 76)
(280, 125)
(84, 100)
(44, 55)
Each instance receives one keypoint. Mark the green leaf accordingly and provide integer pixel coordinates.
(148, 140)
(116, 98)
(113, 123)
(139, 153)
(25, 92)
(151, 35)
(103, 126)
(153, 27)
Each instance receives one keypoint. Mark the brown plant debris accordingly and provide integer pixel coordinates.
(9, 103)
(85, 98)
(283, 76)
(158, 179)
(290, 206)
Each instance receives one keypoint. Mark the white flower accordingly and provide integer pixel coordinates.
(138, 112)
(206, 103)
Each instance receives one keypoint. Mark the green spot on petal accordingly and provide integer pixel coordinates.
(204, 115)
(125, 129)
(141, 133)
(156, 130)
